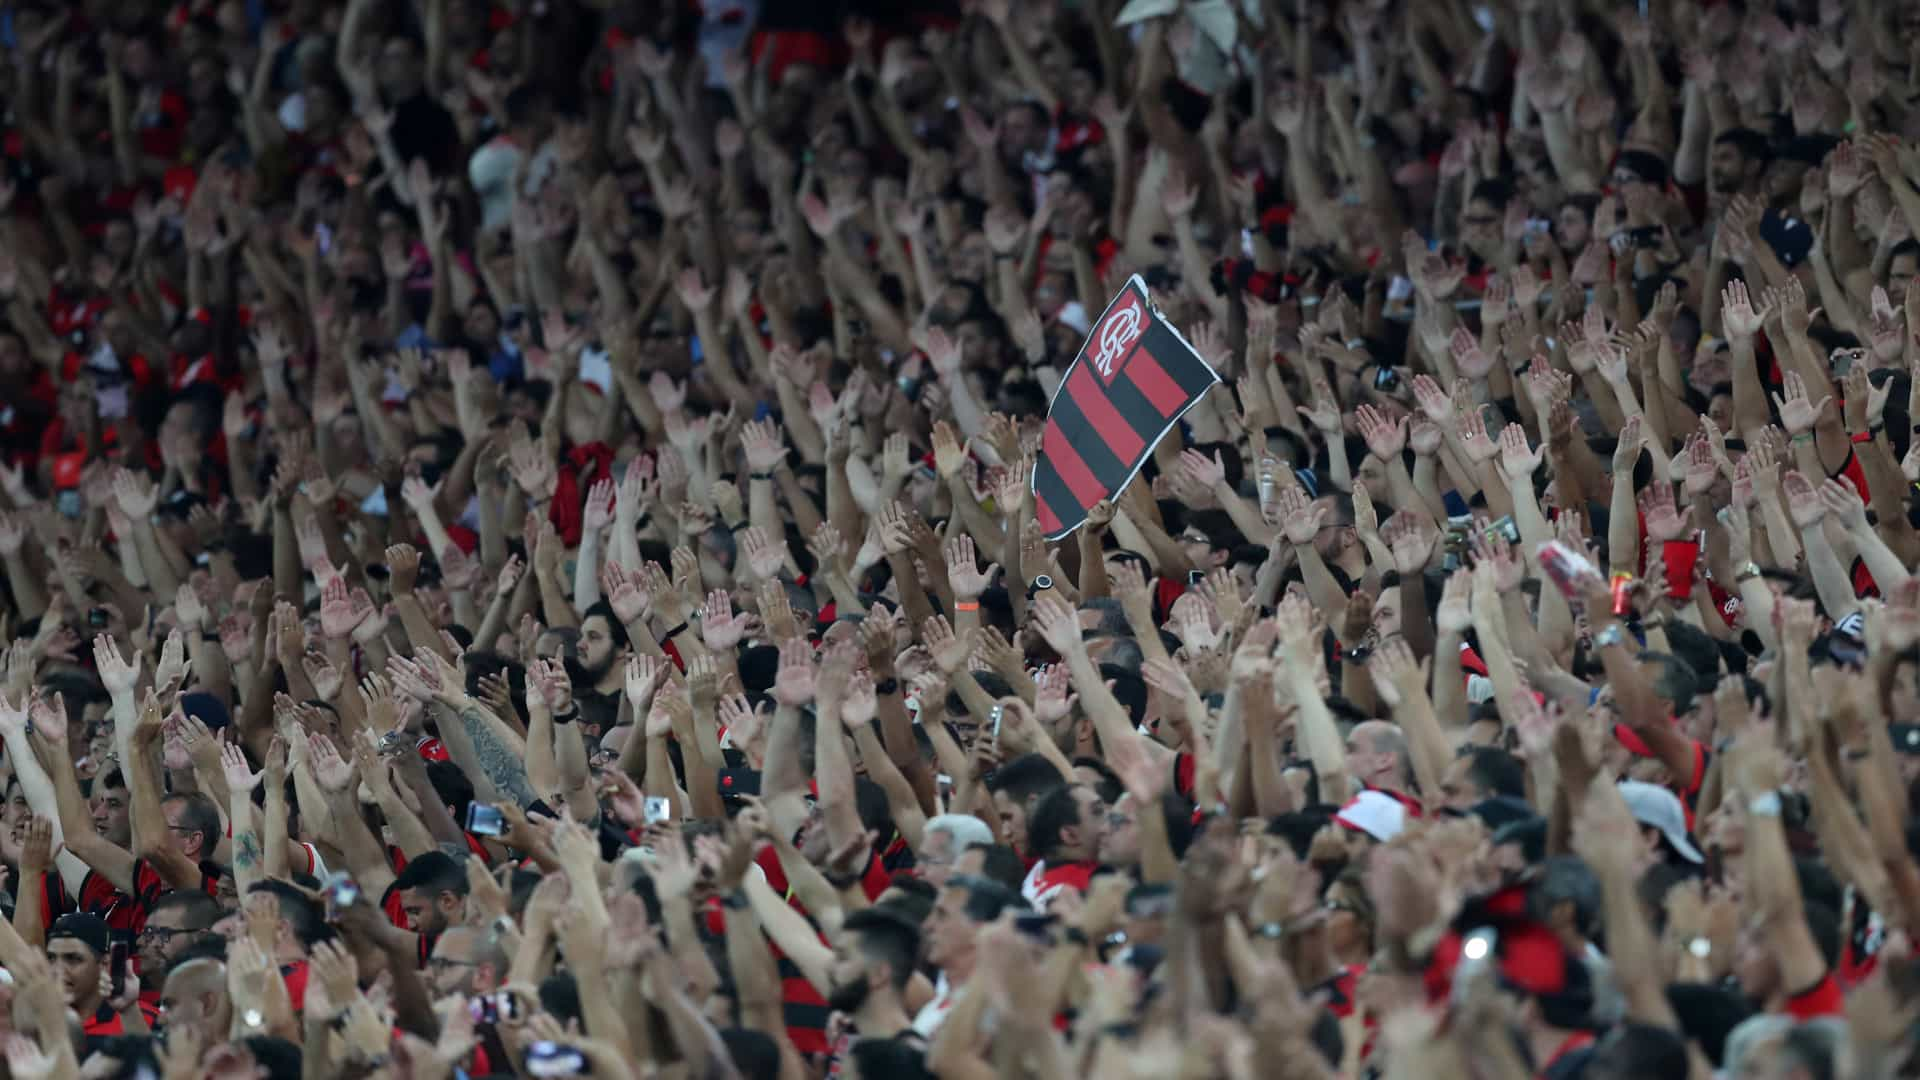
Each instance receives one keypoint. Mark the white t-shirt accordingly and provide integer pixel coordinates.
(934, 1013)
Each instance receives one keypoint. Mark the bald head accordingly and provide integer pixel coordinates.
(466, 961)
(195, 994)
(1377, 755)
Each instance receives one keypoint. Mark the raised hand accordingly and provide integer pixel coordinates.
(1803, 500)
(1516, 460)
(966, 578)
(1662, 517)
(240, 776)
(720, 627)
(1798, 413)
(1411, 538)
(117, 673)
(1737, 313)
(793, 683)
(1386, 439)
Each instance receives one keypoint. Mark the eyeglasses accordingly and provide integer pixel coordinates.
(164, 933)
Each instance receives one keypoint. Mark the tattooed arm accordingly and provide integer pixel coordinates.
(484, 747)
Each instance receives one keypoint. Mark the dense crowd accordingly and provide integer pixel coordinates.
(521, 556)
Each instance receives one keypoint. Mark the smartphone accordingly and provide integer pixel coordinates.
(97, 618)
(1906, 737)
(555, 1059)
(998, 712)
(394, 742)
(1195, 577)
(1503, 528)
(1538, 226)
(117, 968)
(341, 891)
(493, 1008)
(484, 820)
(735, 782)
(1476, 954)
(1400, 288)
(659, 809)
(1646, 236)
(1386, 379)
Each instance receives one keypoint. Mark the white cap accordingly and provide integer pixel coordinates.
(1659, 808)
(1377, 814)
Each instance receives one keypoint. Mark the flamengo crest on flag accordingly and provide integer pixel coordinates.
(1133, 379)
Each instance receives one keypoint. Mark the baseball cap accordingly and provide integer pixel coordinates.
(1659, 808)
(89, 930)
(1379, 815)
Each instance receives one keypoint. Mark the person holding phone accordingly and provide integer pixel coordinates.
(93, 972)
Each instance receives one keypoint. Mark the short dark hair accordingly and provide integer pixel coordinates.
(280, 1058)
(1218, 526)
(203, 947)
(1025, 777)
(1749, 142)
(1496, 772)
(308, 921)
(1566, 879)
(1642, 1050)
(195, 907)
(435, 872)
(1055, 813)
(452, 785)
(1528, 834)
(896, 1058)
(1109, 788)
(1000, 863)
(986, 898)
(198, 814)
(886, 937)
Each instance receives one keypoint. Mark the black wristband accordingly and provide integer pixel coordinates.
(886, 686)
(568, 717)
(669, 635)
(760, 476)
(740, 526)
(1073, 935)
(844, 883)
(737, 900)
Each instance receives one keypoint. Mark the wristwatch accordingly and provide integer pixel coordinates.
(1608, 635)
(1747, 572)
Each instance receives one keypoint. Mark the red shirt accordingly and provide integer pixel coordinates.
(1824, 999)
(295, 975)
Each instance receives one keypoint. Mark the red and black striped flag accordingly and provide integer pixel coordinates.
(1134, 377)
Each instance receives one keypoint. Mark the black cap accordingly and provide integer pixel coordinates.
(89, 930)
